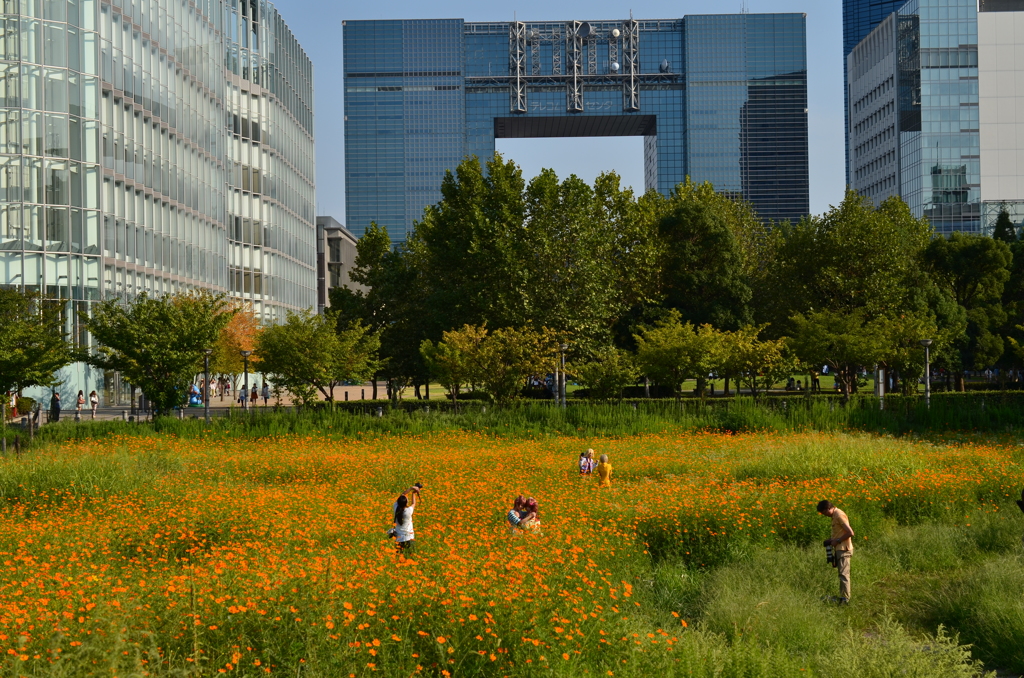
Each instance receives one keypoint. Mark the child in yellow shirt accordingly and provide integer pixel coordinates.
(604, 472)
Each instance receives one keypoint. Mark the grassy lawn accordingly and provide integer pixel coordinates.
(169, 556)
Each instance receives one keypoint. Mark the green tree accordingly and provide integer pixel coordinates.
(455, 360)
(468, 249)
(846, 342)
(1004, 228)
(307, 354)
(157, 343)
(672, 352)
(758, 363)
(703, 272)
(853, 257)
(32, 343)
(392, 305)
(509, 356)
(607, 373)
(973, 270)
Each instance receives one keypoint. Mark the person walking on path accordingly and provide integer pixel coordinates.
(604, 472)
(404, 533)
(265, 394)
(842, 542)
(79, 403)
(94, 402)
(254, 396)
(55, 407)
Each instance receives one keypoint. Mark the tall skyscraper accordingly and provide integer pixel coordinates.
(719, 98)
(157, 146)
(935, 113)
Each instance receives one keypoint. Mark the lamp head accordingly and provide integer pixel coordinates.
(564, 347)
(208, 351)
(246, 354)
(926, 342)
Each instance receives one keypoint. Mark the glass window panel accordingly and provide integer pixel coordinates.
(55, 45)
(56, 135)
(56, 90)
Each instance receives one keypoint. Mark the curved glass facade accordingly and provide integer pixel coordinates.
(157, 146)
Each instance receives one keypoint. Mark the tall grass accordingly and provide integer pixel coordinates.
(987, 412)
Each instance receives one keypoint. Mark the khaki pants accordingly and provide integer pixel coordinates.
(844, 573)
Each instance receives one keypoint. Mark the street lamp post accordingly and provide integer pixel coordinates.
(561, 388)
(927, 372)
(245, 362)
(206, 383)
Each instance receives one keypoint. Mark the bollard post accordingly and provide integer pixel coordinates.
(124, 416)
(346, 395)
(363, 395)
(380, 411)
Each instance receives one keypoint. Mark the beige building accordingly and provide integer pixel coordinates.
(335, 257)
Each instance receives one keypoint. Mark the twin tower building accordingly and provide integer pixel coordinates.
(165, 145)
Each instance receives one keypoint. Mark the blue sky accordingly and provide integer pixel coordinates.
(317, 25)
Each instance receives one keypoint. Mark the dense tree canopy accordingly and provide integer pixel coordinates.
(607, 271)
(157, 343)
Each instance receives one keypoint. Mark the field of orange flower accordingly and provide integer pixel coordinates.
(187, 557)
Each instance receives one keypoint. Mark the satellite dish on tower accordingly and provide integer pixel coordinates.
(586, 30)
(614, 67)
(665, 66)
(615, 32)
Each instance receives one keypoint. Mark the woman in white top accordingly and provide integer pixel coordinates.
(404, 507)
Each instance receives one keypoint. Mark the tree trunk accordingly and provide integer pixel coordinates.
(961, 383)
(726, 392)
(416, 392)
(374, 387)
(426, 390)
(647, 387)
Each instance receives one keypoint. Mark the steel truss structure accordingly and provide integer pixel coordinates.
(574, 67)
(517, 66)
(630, 65)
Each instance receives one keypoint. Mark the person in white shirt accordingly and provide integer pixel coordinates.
(404, 507)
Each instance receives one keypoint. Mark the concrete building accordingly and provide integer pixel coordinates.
(335, 257)
(154, 146)
(720, 98)
(1001, 109)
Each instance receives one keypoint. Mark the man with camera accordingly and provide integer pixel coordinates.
(842, 544)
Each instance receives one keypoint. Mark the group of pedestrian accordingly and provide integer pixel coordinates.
(525, 516)
(254, 395)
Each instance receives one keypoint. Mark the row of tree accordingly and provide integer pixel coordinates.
(159, 345)
(501, 272)
(592, 266)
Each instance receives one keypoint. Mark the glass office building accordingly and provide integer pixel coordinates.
(914, 113)
(157, 146)
(719, 98)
